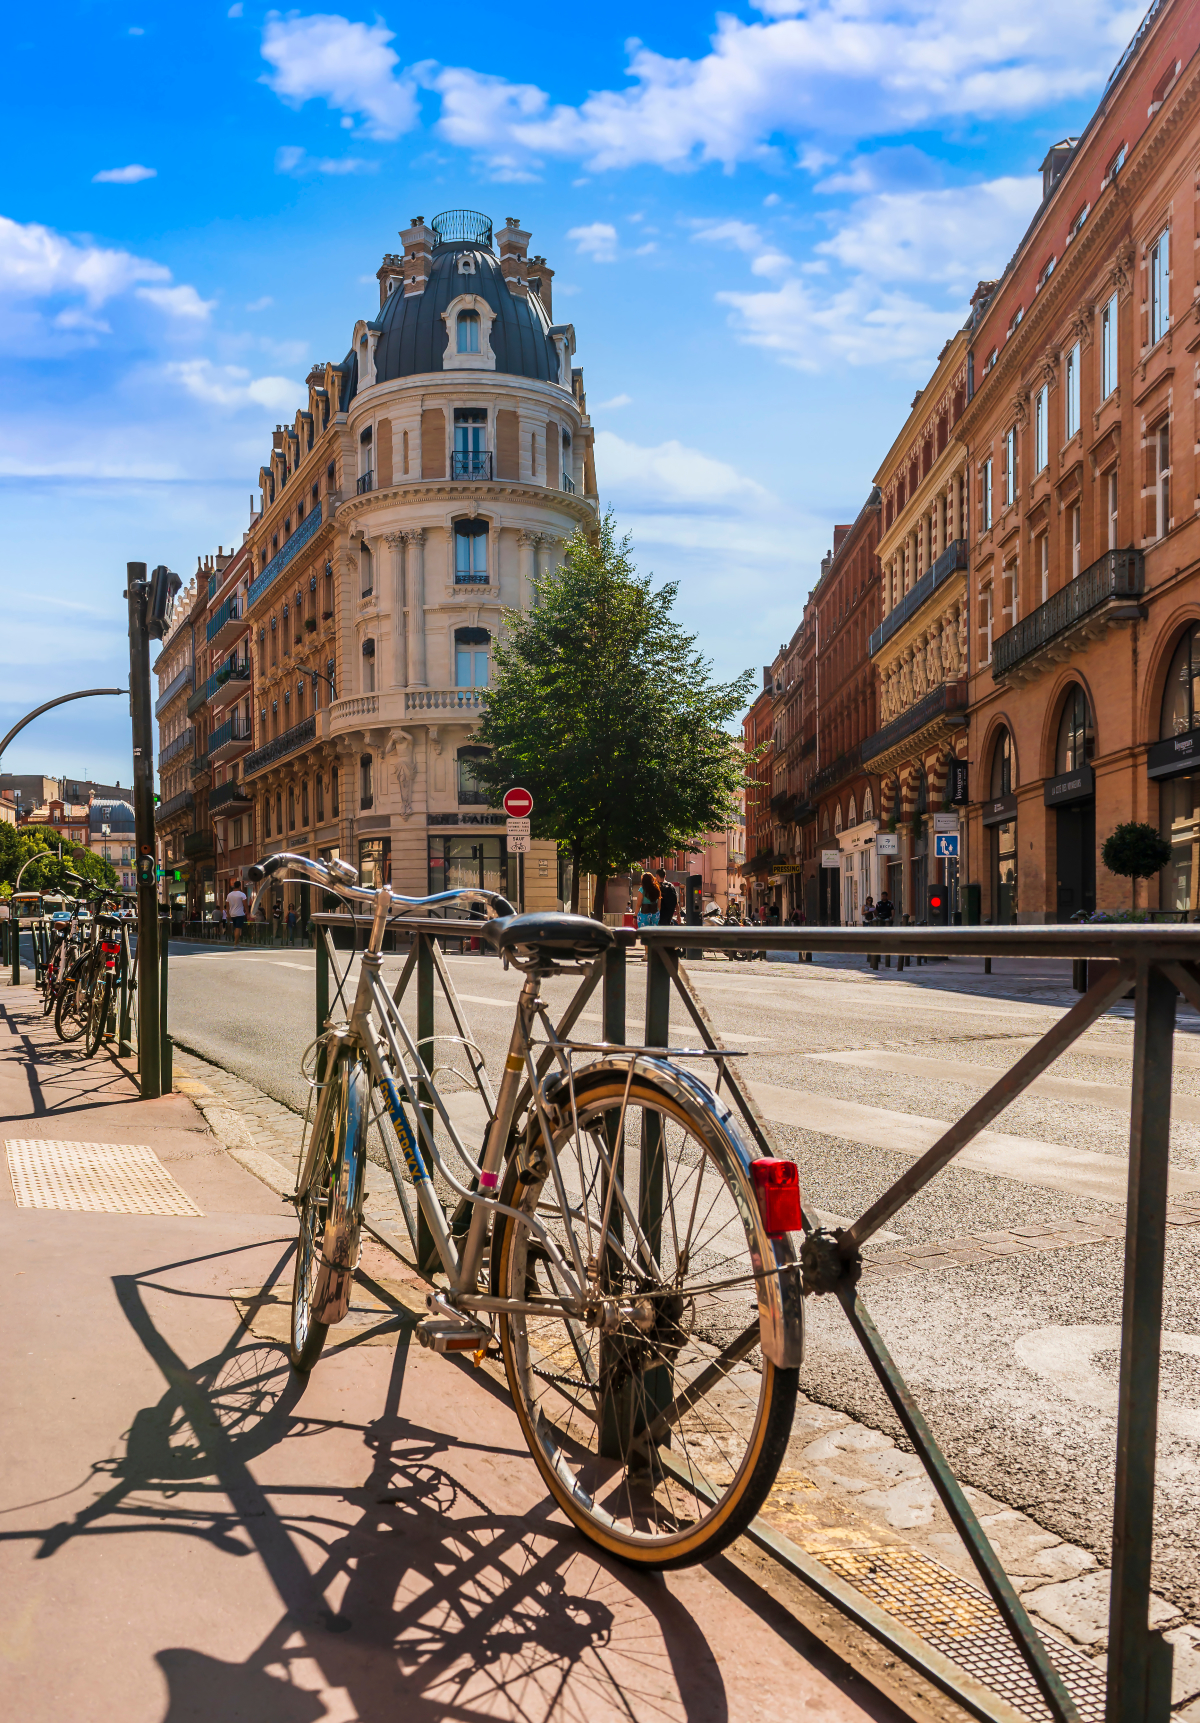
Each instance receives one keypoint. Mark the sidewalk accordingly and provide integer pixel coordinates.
(191, 1533)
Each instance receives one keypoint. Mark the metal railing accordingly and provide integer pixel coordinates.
(954, 557)
(365, 483)
(1159, 963)
(1117, 574)
(281, 747)
(227, 612)
(568, 484)
(946, 697)
(226, 794)
(471, 464)
(175, 686)
(230, 731)
(198, 843)
(308, 526)
(843, 767)
(177, 805)
(184, 742)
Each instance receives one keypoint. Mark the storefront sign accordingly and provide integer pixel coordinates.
(1176, 754)
(1074, 786)
(945, 822)
(999, 810)
(831, 858)
(957, 786)
(860, 837)
(887, 844)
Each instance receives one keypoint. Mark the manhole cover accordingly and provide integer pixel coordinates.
(107, 1178)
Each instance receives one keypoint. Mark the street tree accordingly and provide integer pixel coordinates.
(605, 711)
(19, 844)
(1135, 850)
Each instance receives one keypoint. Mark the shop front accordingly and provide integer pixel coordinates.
(1072, 795)
(859, 871)
(1000, 829)
(1174, 763)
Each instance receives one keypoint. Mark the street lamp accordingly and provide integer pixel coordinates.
(317, 677)
(83, 694)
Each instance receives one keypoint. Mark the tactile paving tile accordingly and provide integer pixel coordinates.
(965, 1626)
(106, 1178)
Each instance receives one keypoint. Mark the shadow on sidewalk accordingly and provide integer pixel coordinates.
(420, 1595)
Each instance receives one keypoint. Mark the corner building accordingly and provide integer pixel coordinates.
(1084, 534)
(435, 473)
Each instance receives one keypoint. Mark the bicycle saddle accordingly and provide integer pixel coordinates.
(548, 934)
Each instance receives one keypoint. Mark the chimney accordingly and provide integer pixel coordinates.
(417, 240)
(540, 277)
(390, 276)
(513, 246)
(840, 534)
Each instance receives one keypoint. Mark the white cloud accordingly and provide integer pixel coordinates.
(953, 236)
(136, 30)
(235, 11)
(598, 241)
(671, 475)
(233, 386)
(290, 159)
(348, 66)
(611, 405)
(73, 319)
(771, 263)
(645, 250)
(741, 235)
(260, 304)
(856, 324)
(37, 263)
(131, 175)
(182, 301)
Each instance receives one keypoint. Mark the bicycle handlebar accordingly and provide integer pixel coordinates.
(341, 879)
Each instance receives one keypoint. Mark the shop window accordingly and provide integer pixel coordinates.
(1076, 734)
(466, 863)
(1181, 696)
(1179, 797)
(374, 862)
(471, 792)
(471, 648)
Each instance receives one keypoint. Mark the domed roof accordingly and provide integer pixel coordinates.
(413, 335)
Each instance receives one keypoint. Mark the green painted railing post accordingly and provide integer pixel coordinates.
(16, 946)
(614, 1404)
(165, 1074)
(427, 1254)
(124, 1020)
(322, 989)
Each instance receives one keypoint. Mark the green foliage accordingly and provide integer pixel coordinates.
(606, 712)
(1135, 850)
(17, 845)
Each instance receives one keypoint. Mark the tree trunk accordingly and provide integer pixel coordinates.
(601, 887)
(574, 879)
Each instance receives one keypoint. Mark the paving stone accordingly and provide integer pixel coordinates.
(1080, 1607)
(1185, 1681)
(905, 1506)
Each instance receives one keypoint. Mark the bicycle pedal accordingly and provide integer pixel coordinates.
(442, 1334)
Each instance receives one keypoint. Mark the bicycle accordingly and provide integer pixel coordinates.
(64, 939)
(615, 1241)
(86, 995)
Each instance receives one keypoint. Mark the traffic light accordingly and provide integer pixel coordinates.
(160, 601)
(939, 906)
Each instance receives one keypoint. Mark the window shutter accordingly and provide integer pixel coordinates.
(383, 454)
(508, 444)
(433, 443)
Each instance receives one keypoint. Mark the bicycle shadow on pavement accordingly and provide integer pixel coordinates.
(403, 1587)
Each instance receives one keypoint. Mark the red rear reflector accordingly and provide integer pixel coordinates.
(113, 948)
(777, 1185)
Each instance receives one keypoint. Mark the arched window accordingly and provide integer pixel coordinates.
(470, 553)
(1002, 772)
(1181, 696)
(470, 792)
(868, 805)
(368, 660)
(852, 816)
(320, 784)
(1076, 733)
(468, 331)
(279, 813)
(291, 807)
(825, 822)
(471, 657)
(365, 797)
(304, 805)
(837, 818)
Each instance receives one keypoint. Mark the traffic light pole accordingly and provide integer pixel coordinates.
(149, 1026)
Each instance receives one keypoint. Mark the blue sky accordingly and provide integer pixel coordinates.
(764, 223)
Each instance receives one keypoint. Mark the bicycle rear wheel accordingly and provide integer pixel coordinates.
(71, 1007)
(331, 1212)
(97, 1016)
(656, 1423)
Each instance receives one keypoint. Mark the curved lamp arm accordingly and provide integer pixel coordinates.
(83, 694)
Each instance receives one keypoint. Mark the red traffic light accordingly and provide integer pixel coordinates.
(935, 902)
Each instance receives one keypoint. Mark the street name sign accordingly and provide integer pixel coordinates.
(518, 803)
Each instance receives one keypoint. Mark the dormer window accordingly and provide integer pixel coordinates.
(1079, 220)
(1016, 319)
(468, 331)
(1047, 272)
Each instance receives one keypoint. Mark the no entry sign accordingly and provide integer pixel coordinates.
(518, 804)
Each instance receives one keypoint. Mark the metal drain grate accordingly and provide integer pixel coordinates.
(964, 1625)
(106, 1178)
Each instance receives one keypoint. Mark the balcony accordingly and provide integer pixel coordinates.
(1087, 606)
(471, 464)
(198, 845)
(843, 767)
(470, 579)
(229, 741)
(180, 804)
(228, 625)
(230, 798)
(174, 687)
(230, 683)
(361, 706)
(183, 744)
(366, 483)
(944, 707)
(306, 530)
(199, 769)
(281, 747)
(953, 558)
(469, 700)
(568, 484)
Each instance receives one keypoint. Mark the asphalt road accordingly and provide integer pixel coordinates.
(1014, 1361)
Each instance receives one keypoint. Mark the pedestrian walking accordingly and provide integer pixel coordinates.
(291, 924)
(648, 904)
(277, 918)
(235, 904)
(668, 899)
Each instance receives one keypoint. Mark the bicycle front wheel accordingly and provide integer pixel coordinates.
(656, 1423)
(71, 1007)
(97, 1016)
(331, 1211)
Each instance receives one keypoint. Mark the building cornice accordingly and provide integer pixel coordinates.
(457, 491)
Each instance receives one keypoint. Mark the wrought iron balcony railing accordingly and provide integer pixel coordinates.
(471, 464)
(952, 558)
(281, 747)
(366, 483)
(227, 612)
(175, 686)
(177, 805)
(308, 526)
(198, 843)
(568, 484)
(1118, 574)
(183, 744)
(838, 769)
(946, 697)
(228, 796)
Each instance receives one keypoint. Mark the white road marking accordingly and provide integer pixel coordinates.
(1064, 1356)
(1050, 1166)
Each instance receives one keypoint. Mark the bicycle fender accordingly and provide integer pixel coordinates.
(343, 1226)
(776, 1269)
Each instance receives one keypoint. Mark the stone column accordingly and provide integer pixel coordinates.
(527, 555)
(415, 593)
(399, 619)
(914, 573)
(942, 522)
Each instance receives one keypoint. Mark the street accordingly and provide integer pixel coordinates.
(1014, 1357)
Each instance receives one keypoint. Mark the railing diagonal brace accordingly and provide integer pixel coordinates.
(755, 1123)
(1025, 1636)
(1099, 996)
